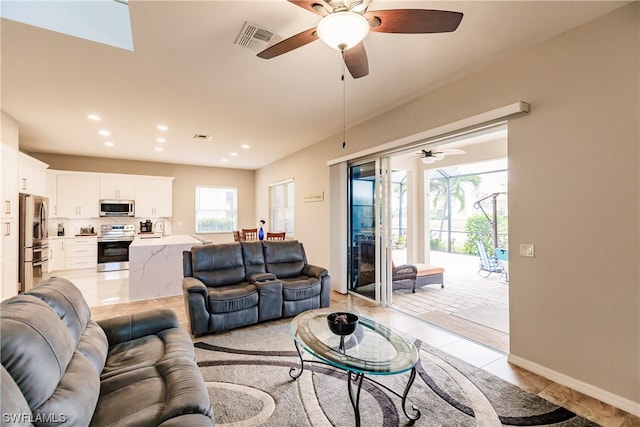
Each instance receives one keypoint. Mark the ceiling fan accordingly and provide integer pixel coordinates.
(346, 23)
(431, 156)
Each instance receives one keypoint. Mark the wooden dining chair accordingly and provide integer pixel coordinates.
(236, 236)
(249, 234)
(276, 236)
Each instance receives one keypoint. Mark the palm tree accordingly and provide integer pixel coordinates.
(451, 188)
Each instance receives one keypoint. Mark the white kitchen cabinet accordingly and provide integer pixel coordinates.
(154, 197)
(32, 175)
(9, 178)
(9, 222)
(81, 252)
(117, 187)
(52, 186)
(57, 256)
(77, 195)
(9, 258)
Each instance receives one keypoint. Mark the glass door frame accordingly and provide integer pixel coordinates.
(381, 230)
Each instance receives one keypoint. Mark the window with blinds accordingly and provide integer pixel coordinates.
(216, 209)
(281, 198)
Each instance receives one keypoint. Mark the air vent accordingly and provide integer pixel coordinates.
(201, 137)
(256, 38)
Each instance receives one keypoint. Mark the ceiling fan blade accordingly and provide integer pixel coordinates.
(315, 6)
(450, 151)
(356, 61)
(289, 44)
(413, 21)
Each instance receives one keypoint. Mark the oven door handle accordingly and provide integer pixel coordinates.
(114, 239)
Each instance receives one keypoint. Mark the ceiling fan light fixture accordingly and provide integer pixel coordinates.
(343, 30)
(428, 160)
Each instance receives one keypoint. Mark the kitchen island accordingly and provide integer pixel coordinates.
(155, 265)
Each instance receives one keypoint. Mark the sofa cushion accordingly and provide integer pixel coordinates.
(218, 265)
(233, 298)
(39, 353)
(146, 351)
(151, 395)
(253, 256)
(68, 303)
(299, 288)
(284, 258)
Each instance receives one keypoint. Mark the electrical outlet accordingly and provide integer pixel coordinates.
(527, 249)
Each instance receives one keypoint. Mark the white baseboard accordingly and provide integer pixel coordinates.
(588, 389)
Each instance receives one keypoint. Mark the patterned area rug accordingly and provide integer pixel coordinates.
(247, 374)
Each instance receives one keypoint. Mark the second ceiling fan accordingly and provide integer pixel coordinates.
(346, 23)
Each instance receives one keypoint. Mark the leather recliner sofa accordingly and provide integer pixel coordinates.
(230, 285)
(61, 367)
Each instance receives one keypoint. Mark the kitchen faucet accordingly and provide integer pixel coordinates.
(159, 224)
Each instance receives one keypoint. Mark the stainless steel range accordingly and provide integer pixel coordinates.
(113, 246)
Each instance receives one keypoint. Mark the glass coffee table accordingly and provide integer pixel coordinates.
(372, 349)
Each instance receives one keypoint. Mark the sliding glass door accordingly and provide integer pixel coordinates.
(369, 225)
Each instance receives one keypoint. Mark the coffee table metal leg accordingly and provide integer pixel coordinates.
(355, 400)
(292, 371)
(412, 377)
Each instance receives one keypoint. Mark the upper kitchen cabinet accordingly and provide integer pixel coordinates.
(32, 175)
(52, 186)
(154, 197)
(9, 187)
(117, 188)
(77, 195)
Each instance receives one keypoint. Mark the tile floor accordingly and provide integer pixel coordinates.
(107, 294)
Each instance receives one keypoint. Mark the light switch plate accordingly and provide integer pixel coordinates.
(527, 249)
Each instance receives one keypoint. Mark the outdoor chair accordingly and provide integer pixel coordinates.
(489, 264)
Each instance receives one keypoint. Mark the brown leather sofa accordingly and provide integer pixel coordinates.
(59, 367)
(230, 285)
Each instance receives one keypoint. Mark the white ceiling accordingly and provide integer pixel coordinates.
(186, 72)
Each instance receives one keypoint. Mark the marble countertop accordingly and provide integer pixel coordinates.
(174, 239)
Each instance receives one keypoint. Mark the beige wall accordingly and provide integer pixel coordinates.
(9, 129)
(186, 179)
(573, 192)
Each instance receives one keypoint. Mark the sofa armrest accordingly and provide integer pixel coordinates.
(131, 326)
(196, 303)
(314, 271)
(260, 277)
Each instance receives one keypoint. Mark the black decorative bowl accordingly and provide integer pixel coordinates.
(342, 323)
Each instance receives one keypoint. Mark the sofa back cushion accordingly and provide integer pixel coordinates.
(284, 258)
(39, 353)
(218, 264)
(253, 256)
(68, 303)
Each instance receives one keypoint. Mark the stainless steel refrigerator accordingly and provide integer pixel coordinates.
(33, 241)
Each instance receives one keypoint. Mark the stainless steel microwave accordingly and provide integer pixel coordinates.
(117, 208)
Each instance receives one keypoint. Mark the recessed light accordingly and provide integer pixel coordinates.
(224, 159)
(245, 146)
(104, 132)
(94, 117)
(234, 154)
(109, 144)
(159, 149)
(161, 140)
(162, 127)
